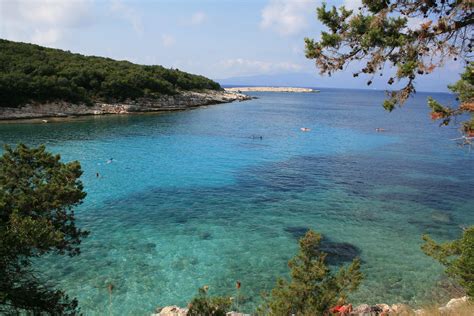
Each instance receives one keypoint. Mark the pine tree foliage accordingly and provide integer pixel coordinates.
(37, 195)
(313, 288)
(203, 304)
(411, 37)
(457, 256)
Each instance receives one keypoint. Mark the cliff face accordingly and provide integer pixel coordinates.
(182, 101)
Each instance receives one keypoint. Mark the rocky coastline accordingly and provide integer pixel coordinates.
(271, 89)
(451, 308)
(182, 101)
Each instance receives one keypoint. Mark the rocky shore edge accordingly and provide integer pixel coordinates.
(271, 89)
(361, 310)
(182, 101)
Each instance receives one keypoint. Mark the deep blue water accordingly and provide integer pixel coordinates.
(197, 198)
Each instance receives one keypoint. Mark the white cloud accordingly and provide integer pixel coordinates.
(48, 36)
(241, 66)
(353, 4)
(288, 17)
(198, 18)
(127, 13)
(43, 22)
(167, 40)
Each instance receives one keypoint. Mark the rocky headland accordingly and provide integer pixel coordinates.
(271, 89)
(182, 101)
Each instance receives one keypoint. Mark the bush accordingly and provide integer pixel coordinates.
(37, 195)
(457, 256)
(313, 288)
(203, 304)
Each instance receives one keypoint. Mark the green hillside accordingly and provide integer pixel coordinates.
(34, 73)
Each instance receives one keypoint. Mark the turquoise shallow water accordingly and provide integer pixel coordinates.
(197, 198)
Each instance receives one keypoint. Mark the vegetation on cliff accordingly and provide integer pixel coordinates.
(32, 73)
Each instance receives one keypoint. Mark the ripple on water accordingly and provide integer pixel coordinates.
(191, 200)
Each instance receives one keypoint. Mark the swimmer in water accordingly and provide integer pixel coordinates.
(110, 160)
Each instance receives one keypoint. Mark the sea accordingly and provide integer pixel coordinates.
(222, 193)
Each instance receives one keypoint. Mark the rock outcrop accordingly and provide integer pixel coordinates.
(182, 101)
(171, 311)
(271, 89)
(451, 308)
(178, 311)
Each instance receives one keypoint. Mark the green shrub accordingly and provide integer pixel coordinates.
(203, 304)
(38, 193)
(313, 288)
(457, 256)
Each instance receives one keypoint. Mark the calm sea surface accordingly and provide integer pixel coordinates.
(198, 198)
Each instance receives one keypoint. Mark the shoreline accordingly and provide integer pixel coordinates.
(59, 110)
(271, 89)
(450, 308)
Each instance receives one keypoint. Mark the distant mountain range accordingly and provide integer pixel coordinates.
(284, 80)
(341, 80)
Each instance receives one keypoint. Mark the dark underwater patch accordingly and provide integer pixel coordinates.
(297, 231)
(205, 236)
(337, 252)
(180, 220)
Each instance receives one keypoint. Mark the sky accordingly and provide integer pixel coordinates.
(216, 38)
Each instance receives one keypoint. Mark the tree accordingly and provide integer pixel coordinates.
(37, 195)
(203, 304)
(412, 37)
(464, 88)
(313, 288)
(457, 256)
(31, 73)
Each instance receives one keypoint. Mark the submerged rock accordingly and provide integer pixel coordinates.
(297, 231)
(338, 252)
(442, 217)
(205, 236)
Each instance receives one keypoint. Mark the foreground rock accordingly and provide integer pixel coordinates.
(455, 307)
(270, 89)
(182, 101)
(177, 311)
(171, 311)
